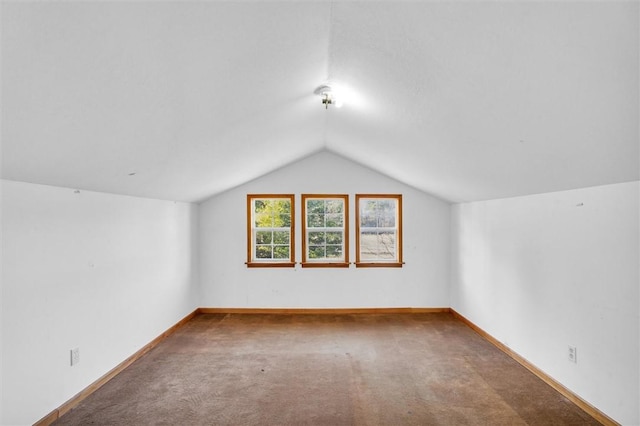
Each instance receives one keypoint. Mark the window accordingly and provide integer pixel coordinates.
(379, 230)
(270, 230)
(325, 230)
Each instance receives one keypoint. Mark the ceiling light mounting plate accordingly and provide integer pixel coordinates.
(328, 96)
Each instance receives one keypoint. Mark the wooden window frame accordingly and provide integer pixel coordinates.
(395, 263)
(306, 263)
(252, 262)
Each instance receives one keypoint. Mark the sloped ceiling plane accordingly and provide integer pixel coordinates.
(183, 100)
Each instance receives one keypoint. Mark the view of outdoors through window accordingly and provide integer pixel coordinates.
(378, 230)
(325, 229)
(272, 229)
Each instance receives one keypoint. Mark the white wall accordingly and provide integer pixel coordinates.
(1, 308)
(543, 272)
(108, 273)
(227, 282)
(105, 273)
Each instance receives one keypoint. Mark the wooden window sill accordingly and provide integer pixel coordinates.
(270, 265)
(379, 265)
(324, 265)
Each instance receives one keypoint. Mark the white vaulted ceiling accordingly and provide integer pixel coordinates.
(466, 101)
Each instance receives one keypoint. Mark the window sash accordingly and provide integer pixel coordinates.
(272, 244)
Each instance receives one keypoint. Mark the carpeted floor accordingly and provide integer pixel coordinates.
(366, 369)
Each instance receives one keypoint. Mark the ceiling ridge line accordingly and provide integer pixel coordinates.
(330, 44)
(328, 73)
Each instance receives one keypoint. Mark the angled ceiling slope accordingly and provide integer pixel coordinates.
(182, 100)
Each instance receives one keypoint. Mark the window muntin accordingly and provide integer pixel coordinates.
(325, 230)
(270, 230)
(379, 230)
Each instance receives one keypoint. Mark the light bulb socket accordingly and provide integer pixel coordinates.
(328, 98)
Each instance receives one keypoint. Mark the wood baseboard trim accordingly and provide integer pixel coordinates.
(48, 419)
(76, 399)
(322, 311)
(584, 405)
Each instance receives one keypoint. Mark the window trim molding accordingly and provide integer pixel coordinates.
(323, 264)
(398, 262)
(292, 237)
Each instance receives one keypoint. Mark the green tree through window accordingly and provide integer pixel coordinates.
(270, 230)
(325, 230)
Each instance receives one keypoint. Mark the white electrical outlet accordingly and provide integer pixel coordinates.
(573, 354)
(75, 356)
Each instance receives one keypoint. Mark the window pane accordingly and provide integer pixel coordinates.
(281, 237)
(263, 237)
(272, 213)
(263, 252)
(315, 220)
(315, 206)
(334, 206)
(334, 238)
(281, 252)
(316, 252)
(334, 221)
(378, 245)
(368, 214)
(334, 252)
(316, 238)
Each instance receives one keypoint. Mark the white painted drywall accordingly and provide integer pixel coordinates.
(108, 273)
(1, 304)
(227, 282)
(543, 272)
(104, 273)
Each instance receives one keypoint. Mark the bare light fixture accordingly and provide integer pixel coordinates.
(328, 96)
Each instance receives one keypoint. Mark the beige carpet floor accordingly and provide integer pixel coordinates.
(365, 369)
